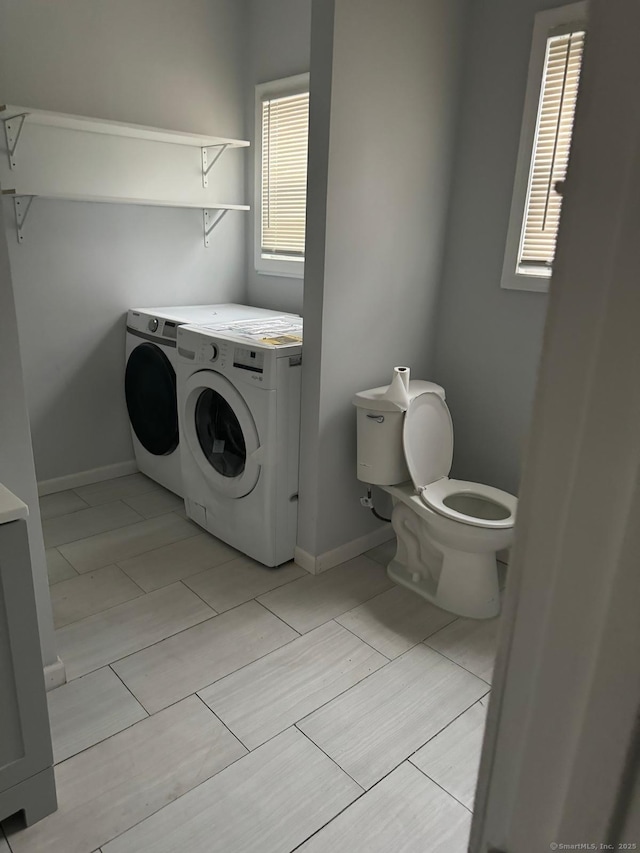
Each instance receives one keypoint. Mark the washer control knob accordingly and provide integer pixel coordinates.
(212, 352)
(152, 325)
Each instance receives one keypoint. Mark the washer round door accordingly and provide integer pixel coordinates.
(150, 391)
(221, 433)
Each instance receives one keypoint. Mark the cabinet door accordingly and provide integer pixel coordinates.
(25, 738)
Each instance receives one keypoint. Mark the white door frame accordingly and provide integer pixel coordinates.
(561, 747)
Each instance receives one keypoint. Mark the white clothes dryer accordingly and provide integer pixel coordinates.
(150, 381)
(239, 414)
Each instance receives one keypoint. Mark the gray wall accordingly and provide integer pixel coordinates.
(17, 471)
(156, 62)
(383, 106)
(279, 34)
(489, 339)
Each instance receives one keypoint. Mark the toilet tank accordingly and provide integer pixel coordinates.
(379, 434)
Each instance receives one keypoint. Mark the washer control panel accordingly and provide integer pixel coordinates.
(210, 352)
(248, 359)
(243, 362)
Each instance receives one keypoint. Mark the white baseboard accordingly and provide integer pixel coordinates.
(316, 565)
(84, 478)
(304, 560)
(55, 675)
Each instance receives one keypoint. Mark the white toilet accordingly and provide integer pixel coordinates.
(448, 530)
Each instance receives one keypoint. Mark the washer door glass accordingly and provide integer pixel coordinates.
(150, 390)
(220, 434)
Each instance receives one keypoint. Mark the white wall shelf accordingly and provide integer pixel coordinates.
(22, 199)
(17, 116)
(106, 199)
(52, 163)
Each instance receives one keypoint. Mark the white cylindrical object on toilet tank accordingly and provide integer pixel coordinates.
(398, 391)
(404, 373)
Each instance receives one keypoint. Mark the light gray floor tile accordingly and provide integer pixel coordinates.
(150, 504)
(4, 847)
(196, 658)
(58, 568)
(60, 503)
(268, 802)
(176, 561)
(239, 580)
(114, 490)
(452, 758)
(87, 522)
(117, 545)
(312, 600)
(375, 725)
(470, 642)
(122, 630)
(403, 813)
(395, 621)
(265, 698)
(384, 553)
(91, 593)
(88, 710)
(117, 783)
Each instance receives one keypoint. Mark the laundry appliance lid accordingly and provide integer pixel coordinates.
(427, 436)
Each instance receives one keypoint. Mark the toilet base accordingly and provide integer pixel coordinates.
(468, 585)
(462, 582)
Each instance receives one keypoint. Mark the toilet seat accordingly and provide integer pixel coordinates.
(429, 463)
(428, 459)
(487, 498)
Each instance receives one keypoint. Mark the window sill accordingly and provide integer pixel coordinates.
(283, 267)
(520, 281)
(281, 274)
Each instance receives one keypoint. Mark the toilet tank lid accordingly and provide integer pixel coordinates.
(374, 399)
(427, 436)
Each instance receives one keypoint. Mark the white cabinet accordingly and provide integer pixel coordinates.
(75, 158)
(26, 761)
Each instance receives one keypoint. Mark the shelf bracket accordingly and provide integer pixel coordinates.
(206, 165)
(22, 206)
(12, 130)
(210, 222)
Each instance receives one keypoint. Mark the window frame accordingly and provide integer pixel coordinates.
(289, 267)
(545, 23)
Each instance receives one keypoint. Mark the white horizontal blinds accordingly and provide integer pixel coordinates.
(551, 151)
(285, 132)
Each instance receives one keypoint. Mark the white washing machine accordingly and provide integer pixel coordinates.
(150, 381)
(239, 412)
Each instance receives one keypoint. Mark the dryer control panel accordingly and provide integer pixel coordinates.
(150, 326)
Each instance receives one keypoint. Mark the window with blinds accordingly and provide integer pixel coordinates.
(555, 64)
(554, 128)
(283, 183)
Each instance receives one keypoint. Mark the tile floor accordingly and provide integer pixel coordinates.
(215, 705)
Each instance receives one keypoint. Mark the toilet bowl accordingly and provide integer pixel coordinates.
(448, 530)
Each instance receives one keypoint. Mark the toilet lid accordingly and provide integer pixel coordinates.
(427, 436)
